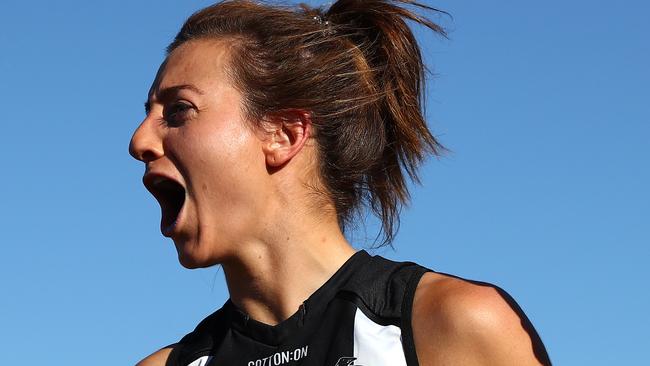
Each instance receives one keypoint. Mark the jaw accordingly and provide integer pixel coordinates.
(195, 245)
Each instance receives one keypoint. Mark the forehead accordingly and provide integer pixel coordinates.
(201, 63)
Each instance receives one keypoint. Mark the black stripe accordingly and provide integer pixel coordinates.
(358, 302)
(407, 306)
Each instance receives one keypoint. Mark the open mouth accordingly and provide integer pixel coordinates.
(171, 197)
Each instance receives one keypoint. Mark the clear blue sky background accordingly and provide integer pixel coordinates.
(544, 105)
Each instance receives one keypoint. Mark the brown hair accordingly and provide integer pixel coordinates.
(356, 68)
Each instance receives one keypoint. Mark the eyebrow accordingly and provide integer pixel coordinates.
(166, 93)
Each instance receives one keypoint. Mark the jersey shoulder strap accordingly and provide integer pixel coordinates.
(386, 287)
(384, 290)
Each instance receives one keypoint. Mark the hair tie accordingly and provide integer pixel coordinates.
(320, 21)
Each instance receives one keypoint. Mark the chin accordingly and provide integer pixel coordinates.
(188, 262)
(191, 258)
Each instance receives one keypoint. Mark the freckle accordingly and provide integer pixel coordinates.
(287, 238)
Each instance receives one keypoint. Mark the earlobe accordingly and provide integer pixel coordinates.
(289, 131)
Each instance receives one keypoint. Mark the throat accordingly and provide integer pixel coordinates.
(270, 287)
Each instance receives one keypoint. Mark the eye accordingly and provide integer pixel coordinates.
(176, 114)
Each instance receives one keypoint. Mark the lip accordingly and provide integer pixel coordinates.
(149, 180)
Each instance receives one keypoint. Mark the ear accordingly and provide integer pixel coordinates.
(288, 130)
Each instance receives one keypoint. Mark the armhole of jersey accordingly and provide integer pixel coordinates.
(172, 358)
(180, 357)
(407, 314)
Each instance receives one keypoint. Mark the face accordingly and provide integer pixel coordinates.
(204, 163)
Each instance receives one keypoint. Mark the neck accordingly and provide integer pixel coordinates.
(273, 278)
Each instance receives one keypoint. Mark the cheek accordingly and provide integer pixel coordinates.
(223, 152)
(225, 169)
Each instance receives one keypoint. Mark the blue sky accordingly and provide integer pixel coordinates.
(544, 106)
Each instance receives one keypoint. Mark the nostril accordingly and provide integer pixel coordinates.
(144, 154)
(138, 151)
(148, 156)
(145, 144)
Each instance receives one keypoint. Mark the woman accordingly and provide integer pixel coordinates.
(267, 130)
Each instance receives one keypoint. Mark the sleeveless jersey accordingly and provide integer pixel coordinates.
(360, 316)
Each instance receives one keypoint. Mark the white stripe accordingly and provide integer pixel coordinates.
(201, 361)
(377, 345)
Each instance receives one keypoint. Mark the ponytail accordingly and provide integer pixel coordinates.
(379, 29)
(358, 70)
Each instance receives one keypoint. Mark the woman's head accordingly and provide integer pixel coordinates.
(204, 162)
(353, 74)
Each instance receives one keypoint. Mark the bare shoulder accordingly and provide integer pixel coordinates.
(471, 323)
(158, 358)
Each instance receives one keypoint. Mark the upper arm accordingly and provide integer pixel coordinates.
(459, 322)
(158, 358)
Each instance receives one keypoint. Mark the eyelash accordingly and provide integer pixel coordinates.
(172, 113)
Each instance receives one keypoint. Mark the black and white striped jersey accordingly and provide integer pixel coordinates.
(360, 316)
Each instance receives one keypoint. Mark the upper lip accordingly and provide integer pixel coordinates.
(151, 178)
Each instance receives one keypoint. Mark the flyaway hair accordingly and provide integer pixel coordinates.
(356, 68)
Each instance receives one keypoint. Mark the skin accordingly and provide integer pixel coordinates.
(250, 208)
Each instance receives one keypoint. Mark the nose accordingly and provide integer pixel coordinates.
(146, 143)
